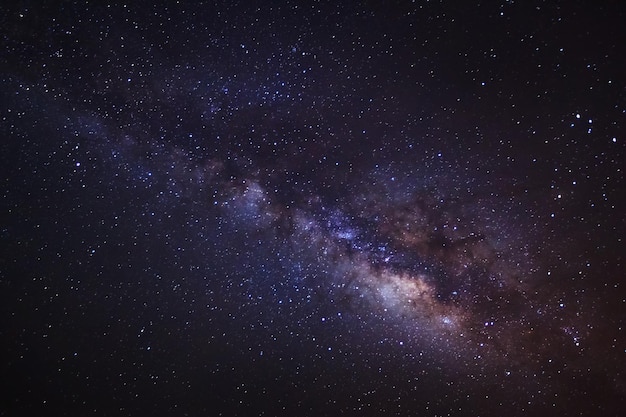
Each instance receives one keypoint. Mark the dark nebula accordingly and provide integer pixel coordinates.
(313, 208)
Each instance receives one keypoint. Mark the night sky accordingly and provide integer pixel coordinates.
(404, 208)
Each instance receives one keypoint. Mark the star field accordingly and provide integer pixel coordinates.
(313, 208)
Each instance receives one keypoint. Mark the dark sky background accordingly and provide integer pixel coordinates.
(404, 208)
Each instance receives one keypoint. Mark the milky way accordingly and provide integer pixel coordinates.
(335, 208)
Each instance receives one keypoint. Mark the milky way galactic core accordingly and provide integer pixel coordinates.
(324, 208)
